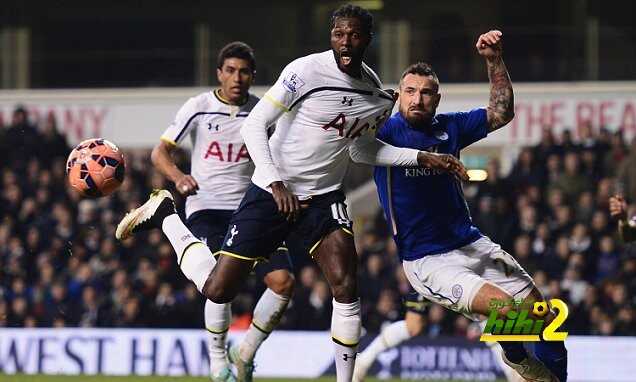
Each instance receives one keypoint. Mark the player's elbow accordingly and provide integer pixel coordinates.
(160, 151)
(156, 154)
(508, 116)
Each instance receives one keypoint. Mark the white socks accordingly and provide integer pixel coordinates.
(390, 336)
(217, 322)
(345, 332)
(193, 256)
(267, 314)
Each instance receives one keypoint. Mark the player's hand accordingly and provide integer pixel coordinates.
(618, 207)
(489, 44)
(287, 202)
(186, 185)
(443, 162)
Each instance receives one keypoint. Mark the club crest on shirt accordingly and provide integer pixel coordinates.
(292, 82)
(457, 291)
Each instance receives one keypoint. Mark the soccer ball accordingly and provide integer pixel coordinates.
(95, 168)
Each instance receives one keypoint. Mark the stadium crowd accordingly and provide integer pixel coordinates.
(60, 264)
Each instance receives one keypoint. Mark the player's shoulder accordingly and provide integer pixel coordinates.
(199, 102)
(195, 104)
(308, 68)
(372, 75)
(389, 127)
(304, 64)
(455, 115)
(396, 121)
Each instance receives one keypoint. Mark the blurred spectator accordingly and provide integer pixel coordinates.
(494, 185)
(525, 171)
(22, 140)
(53, 144)
(386, 310)
(317, 311)
(571, 182)
(545, 148)
(60, 265)
(608, 259)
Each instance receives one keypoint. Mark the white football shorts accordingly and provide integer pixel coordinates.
(452, 279)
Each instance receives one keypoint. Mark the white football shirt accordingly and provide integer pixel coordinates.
(221, 164)
(310, 147)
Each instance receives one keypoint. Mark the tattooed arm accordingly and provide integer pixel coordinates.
(501, 106)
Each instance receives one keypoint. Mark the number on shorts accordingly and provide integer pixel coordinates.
(339, 212)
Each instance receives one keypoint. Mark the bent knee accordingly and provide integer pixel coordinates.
(281, 284)
(216, 294)
(414, 324)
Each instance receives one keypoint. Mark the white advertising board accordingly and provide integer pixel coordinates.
(286, 354)
(137, 117)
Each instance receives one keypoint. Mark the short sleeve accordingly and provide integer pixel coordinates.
(183, 123)
(291, 85)
(472, 126)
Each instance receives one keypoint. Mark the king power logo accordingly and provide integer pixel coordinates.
(526, 323)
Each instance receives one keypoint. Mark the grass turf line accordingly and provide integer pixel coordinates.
(91, 378)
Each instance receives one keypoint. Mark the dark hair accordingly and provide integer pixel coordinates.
(354, 11)
(237, 49)
(421, 69)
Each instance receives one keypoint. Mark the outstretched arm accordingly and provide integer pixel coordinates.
(370, 150)
(501, 108)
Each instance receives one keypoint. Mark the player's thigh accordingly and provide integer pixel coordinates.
(501, 269)
(256, 228)
(227, 278)
(325, 214)
(327, 232)
(445, 279)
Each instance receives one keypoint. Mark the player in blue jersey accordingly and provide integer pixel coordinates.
(445, 257)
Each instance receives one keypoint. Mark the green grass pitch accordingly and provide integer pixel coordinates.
(65, 378)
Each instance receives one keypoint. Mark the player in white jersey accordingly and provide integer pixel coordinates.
(221, 169)
(326, 107)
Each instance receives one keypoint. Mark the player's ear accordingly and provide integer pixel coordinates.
(218, 74)
(436, 100)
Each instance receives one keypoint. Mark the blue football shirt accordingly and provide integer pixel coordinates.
(426, 209)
